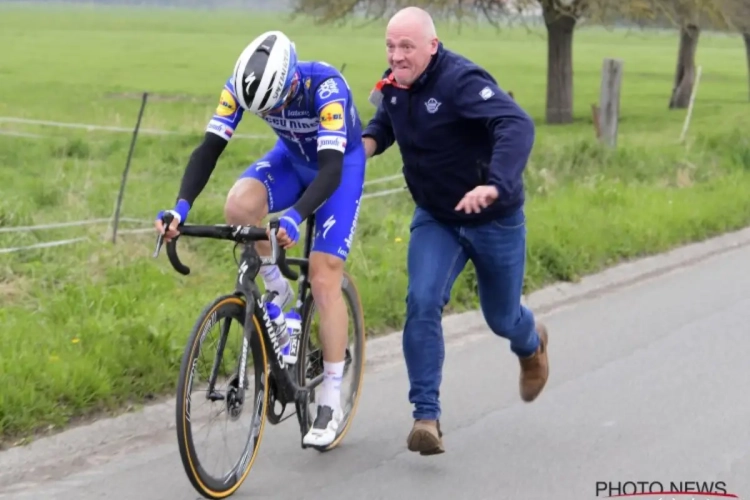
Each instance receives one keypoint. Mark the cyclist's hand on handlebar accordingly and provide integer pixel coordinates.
(180, 213)
(288, 232)
(283, 238)
(172, 231)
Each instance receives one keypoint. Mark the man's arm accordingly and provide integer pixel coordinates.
(370, 146)
(378, 135)
(478, 97)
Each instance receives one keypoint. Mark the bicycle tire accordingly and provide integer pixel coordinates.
(226, 306)
(352, 297)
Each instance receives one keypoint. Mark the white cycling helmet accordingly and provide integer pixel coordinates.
(264, 72)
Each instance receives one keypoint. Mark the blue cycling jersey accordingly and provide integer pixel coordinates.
(321, 115)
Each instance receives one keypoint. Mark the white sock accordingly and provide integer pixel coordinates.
(273, 279)
(330, 393)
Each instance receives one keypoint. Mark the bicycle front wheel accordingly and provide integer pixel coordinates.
(214, 374)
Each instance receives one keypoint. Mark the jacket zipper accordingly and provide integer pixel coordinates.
(411, 124)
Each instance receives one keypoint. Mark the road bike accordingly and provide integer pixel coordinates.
(275, 380)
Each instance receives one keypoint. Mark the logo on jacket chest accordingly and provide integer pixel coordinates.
(432, 105)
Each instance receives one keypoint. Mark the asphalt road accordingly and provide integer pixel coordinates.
(648, 383)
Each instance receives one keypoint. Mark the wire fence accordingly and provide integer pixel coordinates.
(105, 128)
(141, 230)
(56, 225)
(115, 219)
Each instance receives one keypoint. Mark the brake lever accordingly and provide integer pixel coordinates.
(273, 225)
(159, 243)
(166, 220)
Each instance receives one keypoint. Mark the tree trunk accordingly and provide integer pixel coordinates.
(746, 37)
(684, 77)
(559, 67)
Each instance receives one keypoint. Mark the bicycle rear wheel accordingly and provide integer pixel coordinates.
(310, 357)
(233, 402)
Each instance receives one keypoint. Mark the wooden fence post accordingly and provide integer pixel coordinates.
(609, 101)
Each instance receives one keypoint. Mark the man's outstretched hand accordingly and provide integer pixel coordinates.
(478, 198)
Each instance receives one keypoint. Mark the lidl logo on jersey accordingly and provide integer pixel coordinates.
(227, 105)
(332, 116)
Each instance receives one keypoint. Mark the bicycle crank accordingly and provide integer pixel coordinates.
(274, 417)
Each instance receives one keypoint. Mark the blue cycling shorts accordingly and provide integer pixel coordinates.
(286, 180)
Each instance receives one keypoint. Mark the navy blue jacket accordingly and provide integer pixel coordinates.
(456, 130)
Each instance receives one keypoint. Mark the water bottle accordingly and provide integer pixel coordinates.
(294, 328)
(277, 318)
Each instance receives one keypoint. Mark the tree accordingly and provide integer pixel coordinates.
(685, 72)
(560, 18)
(688, 16)
(738, 14)
(332, 11)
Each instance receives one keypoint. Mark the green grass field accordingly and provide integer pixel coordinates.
(93, 327)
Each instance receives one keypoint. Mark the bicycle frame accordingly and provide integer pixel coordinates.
(246, 287)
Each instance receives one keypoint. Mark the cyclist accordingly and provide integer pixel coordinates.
(316, 166)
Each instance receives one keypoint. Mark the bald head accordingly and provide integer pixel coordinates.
(417, 20)
(411, 40)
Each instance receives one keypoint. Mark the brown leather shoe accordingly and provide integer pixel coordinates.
(426, 437)
(535, 369)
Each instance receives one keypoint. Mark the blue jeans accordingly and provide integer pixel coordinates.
(437, 254)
